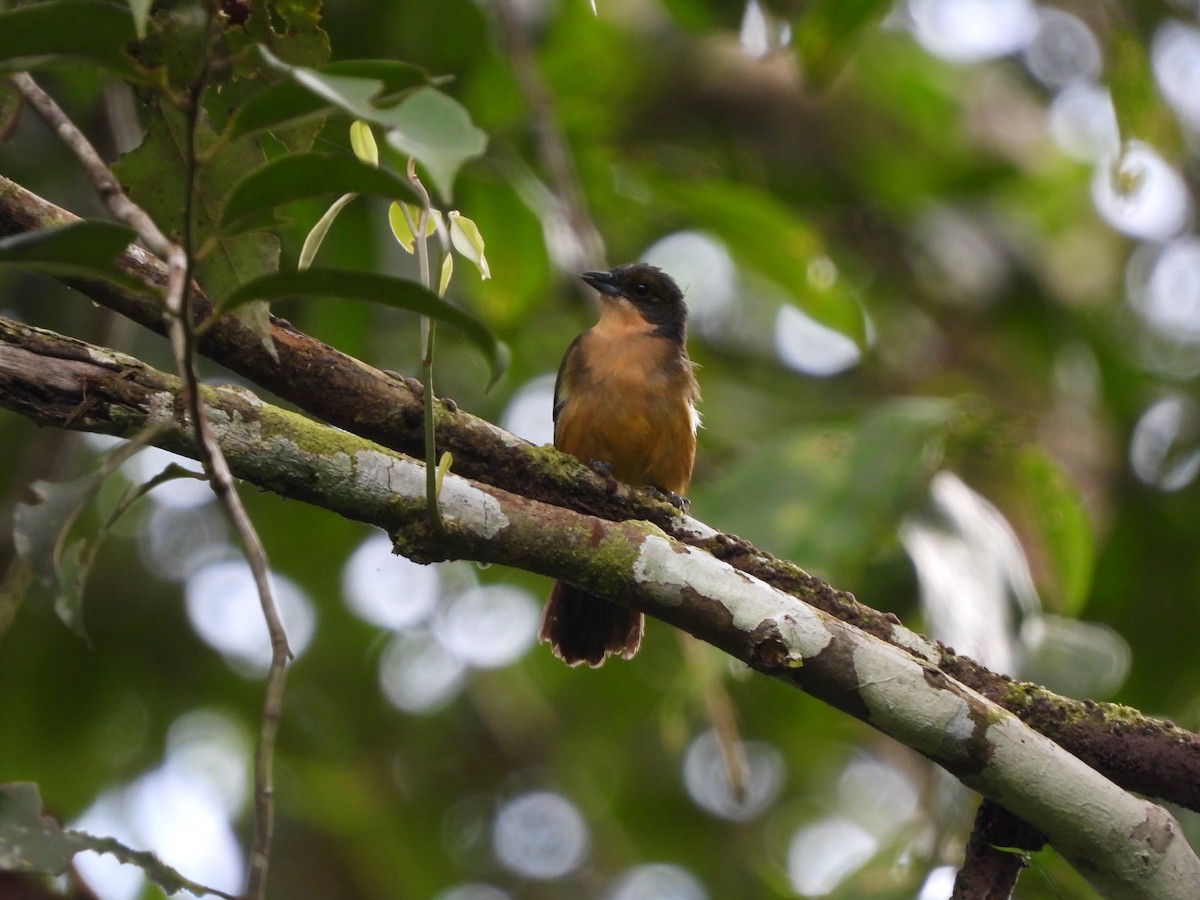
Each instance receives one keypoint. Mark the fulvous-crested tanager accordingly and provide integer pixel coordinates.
(625, 398)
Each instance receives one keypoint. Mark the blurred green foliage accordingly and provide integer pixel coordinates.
(917, 206)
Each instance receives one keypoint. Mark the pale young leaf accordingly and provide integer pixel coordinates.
(467, 240)
(447, 273)
(362, 141)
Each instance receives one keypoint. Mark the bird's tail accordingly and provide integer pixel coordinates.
(583, 628)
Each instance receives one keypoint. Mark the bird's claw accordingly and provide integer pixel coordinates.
(418, 389)
(683, 504)
(601, 468)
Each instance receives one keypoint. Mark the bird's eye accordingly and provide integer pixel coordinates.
(642, 289)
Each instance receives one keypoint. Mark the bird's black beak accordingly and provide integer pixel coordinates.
(603, 282)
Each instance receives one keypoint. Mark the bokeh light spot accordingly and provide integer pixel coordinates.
(172, 814)
(939, 884)
(1164, 288)
(877, 795)
(807, 346)
(488, 626)
(657, 881)
(705, 271)
(214, 751)
(1138, 194)
(706, 778)
(388, 590)
(418, 674)
(178, 492)
(175, 541)
(474, 891)
(1064, 50)
(224, 609)
(958, 257)
(1165, 448)
(540, 835)
(971, 570)
(762, 31)
(823, 855)
(1175, 59)
(1083, 122)
(530, 412)
(973, 30)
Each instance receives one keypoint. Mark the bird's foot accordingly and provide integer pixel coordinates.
(601, 468)
(683, 504)
(418, 389)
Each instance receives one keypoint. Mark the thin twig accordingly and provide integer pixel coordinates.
(215, 464)
(179, 329)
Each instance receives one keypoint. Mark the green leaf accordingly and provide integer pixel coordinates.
(374, 288)
(34, 843)
(1063, 526)
(141, 15)
(401, 230)
(447, 274)
(426, 125)
(316, 235)
(80, 248)
(39, 34)
(290, 28)
(301, 175)
(701, 16)
(289, 102)
(156, 175)
(362, 142)
(29, 840)
(826, 34)
(467, 240)
(848, 485)
(42, 532)
(438, 132)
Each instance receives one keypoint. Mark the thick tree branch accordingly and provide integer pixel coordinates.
(1140, 753)
(1123, 845)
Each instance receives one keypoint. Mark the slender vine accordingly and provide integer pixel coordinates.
(420, 229)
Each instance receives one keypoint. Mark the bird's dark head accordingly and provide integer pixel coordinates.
(652, 292)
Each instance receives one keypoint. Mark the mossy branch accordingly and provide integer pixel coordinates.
(1140, 753)
(1124, 845)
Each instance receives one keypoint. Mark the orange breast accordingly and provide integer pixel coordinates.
(628, 399)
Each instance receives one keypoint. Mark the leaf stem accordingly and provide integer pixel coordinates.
(428, 334)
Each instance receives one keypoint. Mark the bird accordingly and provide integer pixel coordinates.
(625, 403)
